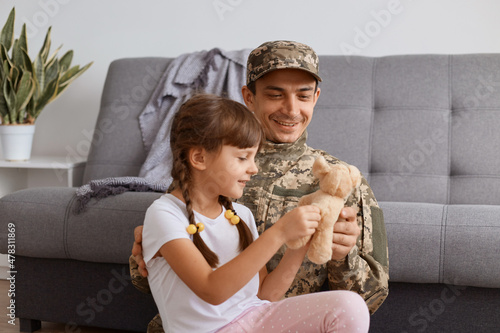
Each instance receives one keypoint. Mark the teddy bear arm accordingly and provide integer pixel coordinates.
(306, 199)
(320, 249)
(299, 242)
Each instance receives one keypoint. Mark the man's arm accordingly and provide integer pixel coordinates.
(138, 271)
(365, 270)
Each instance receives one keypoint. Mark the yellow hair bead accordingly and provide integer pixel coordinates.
(228, 214)
(235, 219)
(232, 217)
(191, 229)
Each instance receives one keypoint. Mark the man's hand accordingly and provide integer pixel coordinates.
(345, 233)
(137, 251)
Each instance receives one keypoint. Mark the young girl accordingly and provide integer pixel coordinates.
(205, 259)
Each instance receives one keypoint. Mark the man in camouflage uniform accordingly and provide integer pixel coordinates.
(282, 90)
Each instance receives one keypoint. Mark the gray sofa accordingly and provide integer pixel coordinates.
(423, 129)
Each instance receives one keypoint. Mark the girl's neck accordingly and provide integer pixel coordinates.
(207, 206)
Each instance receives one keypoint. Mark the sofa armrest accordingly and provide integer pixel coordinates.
(46, 225)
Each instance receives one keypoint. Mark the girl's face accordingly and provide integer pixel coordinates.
(230, 169)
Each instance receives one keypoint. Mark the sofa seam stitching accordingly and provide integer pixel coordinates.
(443, 244)
(372, 120)
(450, 103)
(65, 227)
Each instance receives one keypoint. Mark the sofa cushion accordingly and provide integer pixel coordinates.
(47, 227)
(452, 244)
(471, 255)
(415, 238)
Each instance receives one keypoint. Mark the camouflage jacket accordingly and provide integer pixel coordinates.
(284, 177)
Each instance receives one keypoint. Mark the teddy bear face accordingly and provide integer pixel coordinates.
(337, 179)
(346, 185)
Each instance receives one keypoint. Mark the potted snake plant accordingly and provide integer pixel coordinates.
(27, 86)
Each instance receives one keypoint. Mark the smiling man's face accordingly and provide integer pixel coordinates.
(284, 102)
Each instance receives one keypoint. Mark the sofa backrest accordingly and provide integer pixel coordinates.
(421, 128)
(117, 149)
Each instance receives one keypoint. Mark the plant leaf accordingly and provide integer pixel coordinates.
(52, 71)
(23, 40)
(53, 56)
(4, 111)
(13, 77)
(48, 95)
(7, 34)
(39, 75)
(44, 51)
(25, 91)
(2, 75)
(30, 108)
(27, 61)
(65, 61)
(71, 75)
(17, 55)
(5, 68)
(5, 56)
(10, 99)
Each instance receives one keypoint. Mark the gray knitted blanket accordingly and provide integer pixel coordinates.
(215, 71)
(102, 188)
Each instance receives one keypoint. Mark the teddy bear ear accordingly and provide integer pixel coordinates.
(320, 167)
(355, 175)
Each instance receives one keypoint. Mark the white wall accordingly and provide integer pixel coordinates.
(101, 31)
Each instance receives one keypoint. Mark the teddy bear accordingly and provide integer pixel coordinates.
(336, 183)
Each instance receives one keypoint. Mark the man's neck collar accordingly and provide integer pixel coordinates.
(289, 149)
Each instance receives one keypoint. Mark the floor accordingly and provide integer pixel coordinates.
(6, 327)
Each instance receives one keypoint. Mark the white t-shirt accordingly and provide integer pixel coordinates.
(180, 309)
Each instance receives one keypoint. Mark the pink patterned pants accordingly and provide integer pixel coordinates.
(329, 311)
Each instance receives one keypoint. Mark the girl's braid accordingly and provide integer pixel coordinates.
(246, 237)
(183, 181)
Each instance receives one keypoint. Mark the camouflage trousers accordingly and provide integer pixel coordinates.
(155, 325)
(141, 283)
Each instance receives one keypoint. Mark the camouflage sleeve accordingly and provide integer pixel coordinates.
(139, 281)
(366, 268)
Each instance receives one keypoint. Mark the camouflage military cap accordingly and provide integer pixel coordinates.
(281, 55)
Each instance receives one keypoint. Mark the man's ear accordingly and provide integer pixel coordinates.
(198, 158)
(247, 97)
(316, 95)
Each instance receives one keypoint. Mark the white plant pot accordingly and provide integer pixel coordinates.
(16, 141)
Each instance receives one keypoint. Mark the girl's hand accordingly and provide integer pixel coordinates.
(300, 222)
